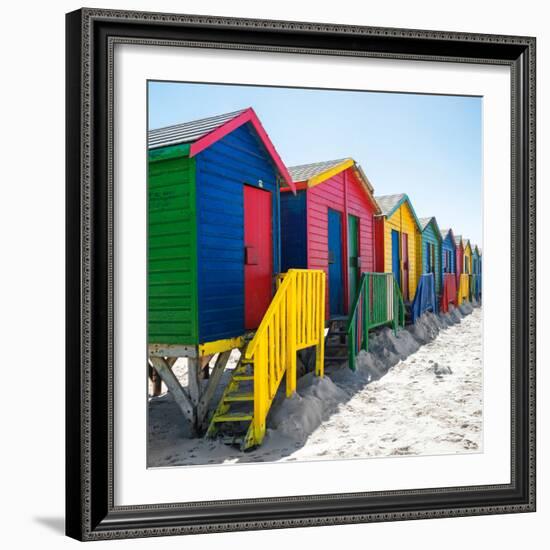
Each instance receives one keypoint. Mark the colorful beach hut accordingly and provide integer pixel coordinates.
(476, 260)
(448, 251)
(213, 264)
(459, 258)
(431, 250)
(213, 222)
(467, 258)
(448, 268)
(462, 277)
(328, 224)
(399, 242)
(476, 270)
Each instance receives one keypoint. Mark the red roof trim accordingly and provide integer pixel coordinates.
(221, 131)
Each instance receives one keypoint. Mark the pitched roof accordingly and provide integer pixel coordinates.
(204, 132)
(389, 203)
(304, 172)
(445, 233)
(317, 172)
(424, 222)
(188, 132)
(458, 239)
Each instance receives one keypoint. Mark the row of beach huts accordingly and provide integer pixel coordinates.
(245, 252)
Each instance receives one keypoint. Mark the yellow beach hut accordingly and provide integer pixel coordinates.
(398, 237)
(467, 267)
(464, 267)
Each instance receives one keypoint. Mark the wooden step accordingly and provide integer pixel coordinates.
(232, 440)
(338, 318)
(243, 369)
(233, 417)
(242, 396)
(243, 377)
(336, 358)
(335, 346)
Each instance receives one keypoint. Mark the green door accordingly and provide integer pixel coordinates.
(353, 257)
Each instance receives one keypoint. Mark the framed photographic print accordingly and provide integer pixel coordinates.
(300, 274)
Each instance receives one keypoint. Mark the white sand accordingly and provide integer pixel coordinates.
(419, 407)
(415, 394)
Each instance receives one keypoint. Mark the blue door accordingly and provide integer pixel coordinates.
(335, 271)
(395, 259)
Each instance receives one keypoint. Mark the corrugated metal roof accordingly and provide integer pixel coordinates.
(303, 172)
(425, 221)
(388, 203)
(187, 132)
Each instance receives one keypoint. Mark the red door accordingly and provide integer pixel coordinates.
(405, 256)
(258, 255)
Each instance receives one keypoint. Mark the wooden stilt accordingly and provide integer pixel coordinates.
(193, 383)
(155, 379)
(206, 398)
(204, 371)
(180, 397)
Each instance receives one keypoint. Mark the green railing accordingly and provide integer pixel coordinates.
(378, 302)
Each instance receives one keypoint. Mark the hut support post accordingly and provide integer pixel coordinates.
(206, 398)
(194, 383)
(162, 367)
(192, 400)
(155, 379)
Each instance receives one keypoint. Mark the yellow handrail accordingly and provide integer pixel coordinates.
(294, 320)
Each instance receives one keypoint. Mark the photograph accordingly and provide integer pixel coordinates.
(314, 274)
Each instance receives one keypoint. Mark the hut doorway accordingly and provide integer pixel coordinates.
(353, 257)
(430, 258)
(335, 271)
(395, 256)
(258, 261)
(405, 254)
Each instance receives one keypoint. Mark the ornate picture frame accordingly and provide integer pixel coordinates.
(90, 506)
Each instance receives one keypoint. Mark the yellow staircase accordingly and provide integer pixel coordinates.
(294, 320)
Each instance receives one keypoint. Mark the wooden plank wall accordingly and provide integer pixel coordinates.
(330, 193)
(430, 235)
(237, 159)
(402, 220)
(172, 282)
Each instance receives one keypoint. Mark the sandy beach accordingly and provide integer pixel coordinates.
(417, 393)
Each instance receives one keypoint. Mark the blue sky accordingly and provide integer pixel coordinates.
(427, 146)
